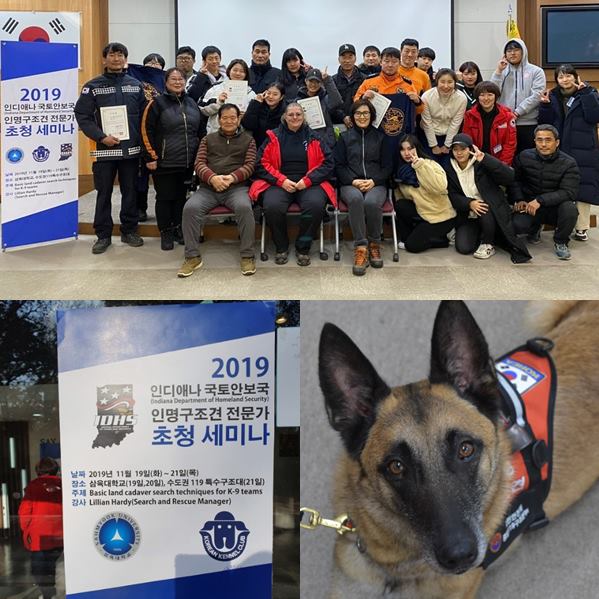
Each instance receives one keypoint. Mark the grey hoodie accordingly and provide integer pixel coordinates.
(521, 86)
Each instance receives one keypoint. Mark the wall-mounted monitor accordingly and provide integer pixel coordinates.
(570, 34)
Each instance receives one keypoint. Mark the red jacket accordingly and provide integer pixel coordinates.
(320, 165)
(503, 132)
(40, 514)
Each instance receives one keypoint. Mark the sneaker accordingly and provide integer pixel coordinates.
(101, 245)
(248, 266)
(484, 251)
(166, 240)
(281, 258)
(562, 251)
(534, 237)
(132, 239)
(375, 258)
(302, 259)
(142, 216)
(401, 245)
(581, 235)
(451, 237)
(360, 260)
(189, 265)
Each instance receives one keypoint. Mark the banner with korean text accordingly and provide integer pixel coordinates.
(167, 436)
(39, 89)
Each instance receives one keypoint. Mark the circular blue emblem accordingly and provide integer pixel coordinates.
(41, 154)
(14, 155)
(117, 536)
(224, 538)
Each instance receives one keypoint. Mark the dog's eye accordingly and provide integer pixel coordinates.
(466, 450)
(396, 468)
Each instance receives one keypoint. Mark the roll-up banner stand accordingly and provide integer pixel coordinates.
(167, 436)
(39, 89)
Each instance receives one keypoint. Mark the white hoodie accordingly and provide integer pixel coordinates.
(521, 87)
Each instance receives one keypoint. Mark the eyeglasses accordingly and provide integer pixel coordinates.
(362, 115)
(185, 58)
(295, 115)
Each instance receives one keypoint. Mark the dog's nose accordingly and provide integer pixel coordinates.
(457, 554)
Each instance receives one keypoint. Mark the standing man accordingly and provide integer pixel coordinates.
(521, 85)
(371, 61)
(224, 162)
(108, 112)
(347, 80)
(262, 73)
(426, 57)
(545, 190)
(184, 61)
(416, 81)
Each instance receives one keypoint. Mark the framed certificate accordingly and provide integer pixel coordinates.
(313, 112)
(381, 104)
(115, 122)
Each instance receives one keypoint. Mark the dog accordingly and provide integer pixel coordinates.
(425, 477)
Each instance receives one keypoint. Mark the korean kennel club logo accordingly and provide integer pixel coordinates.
(114, 419)
(117, 536)
(224, 537)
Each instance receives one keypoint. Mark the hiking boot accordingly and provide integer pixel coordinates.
(132, 239)
(178, 235)
(166, 240)
(375, 258)
(281, 258)
(101, 245)
(360, 260)
(484, 251)
(189, 265)
(562, 251)
(581, 235)
(534, 237)
(142, 216)
(248, 266)
(302, 259)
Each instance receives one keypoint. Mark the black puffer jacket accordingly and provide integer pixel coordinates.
(111, 89)
(347, 89)
(262, 76)
(170, 131)
(551, 180)
(578, 133)
(489, 174)
(363, 154)
(259, 117)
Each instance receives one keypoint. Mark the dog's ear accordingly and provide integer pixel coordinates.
(460, 357)
(351, 387)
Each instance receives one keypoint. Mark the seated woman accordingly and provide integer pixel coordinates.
(293, 72)
(293, 165)
(170, 131)
(264, 112)
(424, 213)
(484, 215)
(363, 165)
(491, 125)
(443, 113)
(469, 76)
(572, 107)
(216, 96)
(321, 85)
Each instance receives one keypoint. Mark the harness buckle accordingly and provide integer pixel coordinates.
(541, 346)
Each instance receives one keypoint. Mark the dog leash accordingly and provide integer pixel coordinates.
(341, 524)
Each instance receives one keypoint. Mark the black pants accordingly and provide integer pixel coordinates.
(562, 217)
(474, 231)
(43, 570)
(171, 193)
(417, 234)
(312, 202)
(142, 186)
(104, 175)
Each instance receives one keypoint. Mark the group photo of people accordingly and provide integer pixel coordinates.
(466, 163)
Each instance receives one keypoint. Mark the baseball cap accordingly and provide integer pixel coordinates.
(347, 48)
(314, 74)
(462, 139)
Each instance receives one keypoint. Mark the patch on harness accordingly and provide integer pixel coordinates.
(522, 376)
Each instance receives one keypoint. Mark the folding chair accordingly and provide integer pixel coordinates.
(342, 211)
